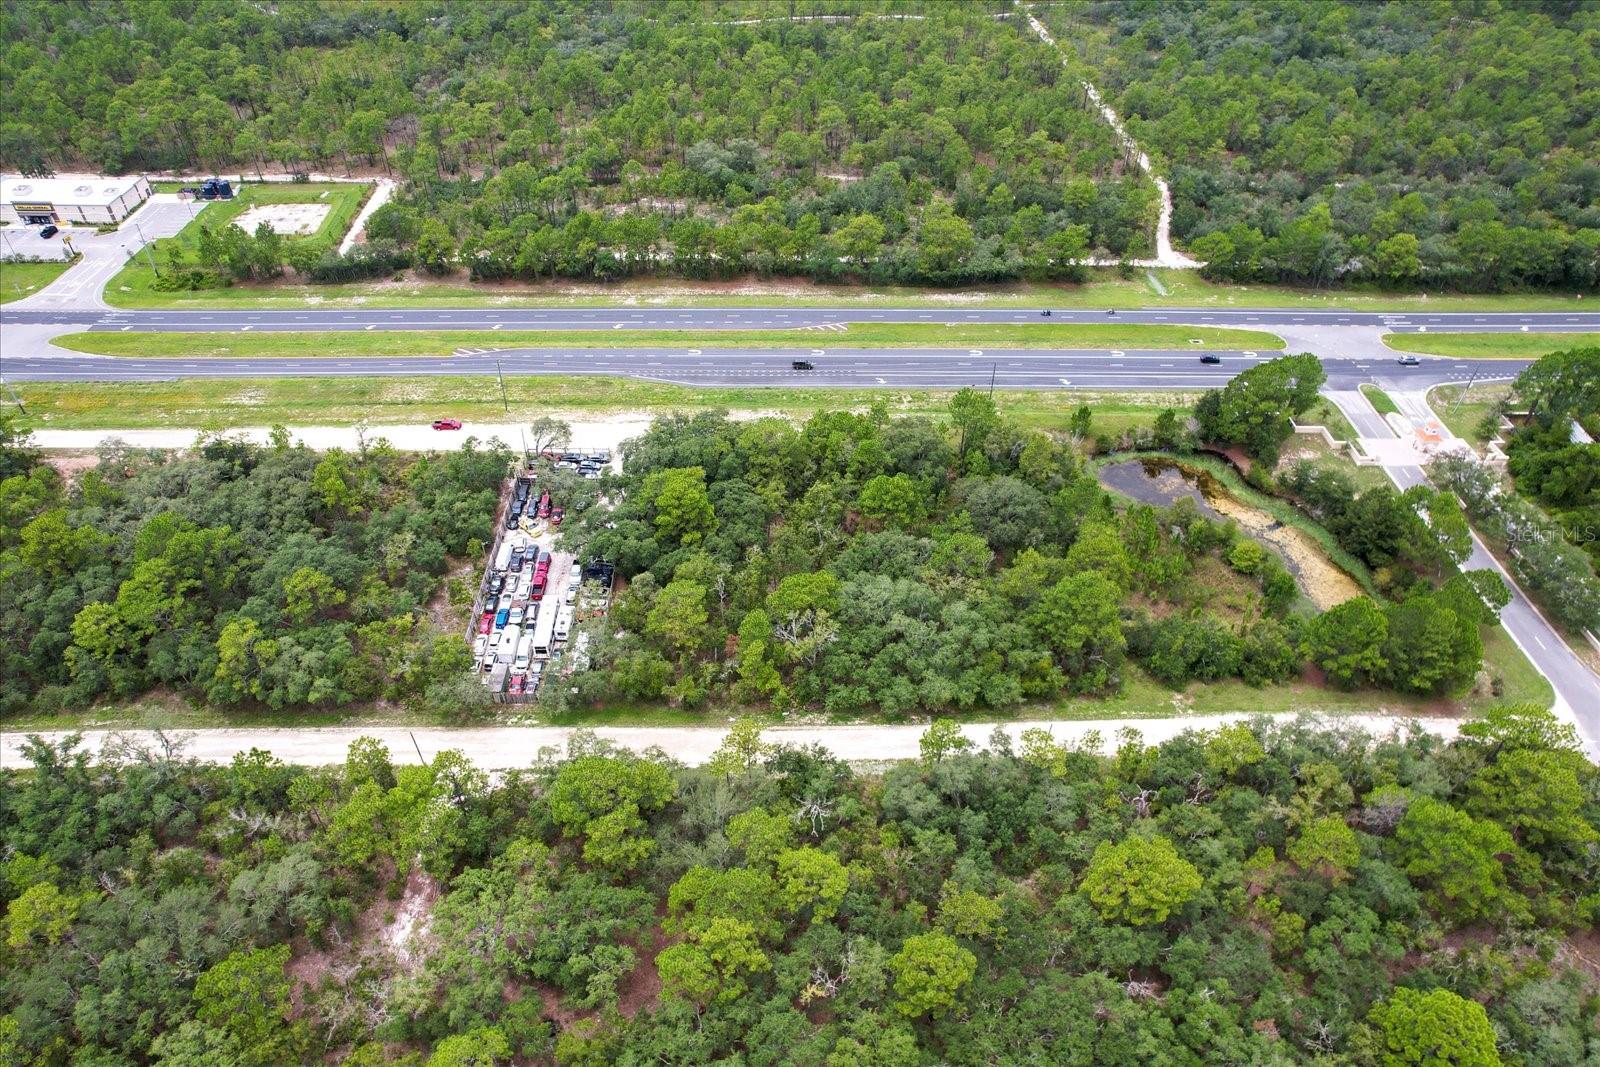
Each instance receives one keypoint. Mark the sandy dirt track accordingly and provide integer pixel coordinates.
(502, 748)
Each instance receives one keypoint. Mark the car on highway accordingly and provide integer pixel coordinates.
(1210, 358)
(801, 364)
(1408, 360)
(447, 424)
(1046, 313)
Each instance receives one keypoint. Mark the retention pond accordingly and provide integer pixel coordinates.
(1163, 482)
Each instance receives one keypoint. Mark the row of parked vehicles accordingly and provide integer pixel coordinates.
(587, 462)
(541, 509)
(530, 607)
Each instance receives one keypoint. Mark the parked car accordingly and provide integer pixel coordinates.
(505, 601)
(494, 641)
(500, 618)
(576, 571)
(1408, 360)
(447, 424)
(49, 231)
(544, 505)
(486, 622)
(571, 595)
(515, 618)
(1210, 357)
(480, 645)
(556, 515)
(536, 587)
(518, 684)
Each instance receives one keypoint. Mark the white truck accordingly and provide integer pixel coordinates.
(506, 650)
(544, 630)
(524, 654)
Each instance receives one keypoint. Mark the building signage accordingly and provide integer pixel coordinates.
(33, 209)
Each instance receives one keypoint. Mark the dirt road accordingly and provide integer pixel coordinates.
(507, 747)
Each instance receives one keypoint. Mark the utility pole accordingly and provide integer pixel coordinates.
(152, 257)
(992, 369)
(501, 374)
(1463, 394)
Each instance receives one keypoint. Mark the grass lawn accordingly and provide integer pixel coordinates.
(346, 343)
(1312, 447)
(1463, 414)
(1489, 345)
(18, 280)
(1379, 400)
(132, 286)
(1326, 413)
(204, 403)
(1106, 288)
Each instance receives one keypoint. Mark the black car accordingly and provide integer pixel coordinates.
(802, 364)
(49, 231)
(1210, 358)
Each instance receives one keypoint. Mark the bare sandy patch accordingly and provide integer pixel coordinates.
(1322, 582)
(290, 220)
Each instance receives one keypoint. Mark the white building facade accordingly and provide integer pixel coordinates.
(70, 198)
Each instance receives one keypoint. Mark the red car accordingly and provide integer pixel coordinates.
(544, 505)
(486, 622)
(519, 684)
(556, 515)
(447, 424)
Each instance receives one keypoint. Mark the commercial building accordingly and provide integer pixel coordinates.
(71, 198)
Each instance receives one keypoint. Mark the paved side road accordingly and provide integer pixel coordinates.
(1577, 689)
(501, 748)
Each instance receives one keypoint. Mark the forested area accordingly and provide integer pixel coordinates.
(860, 562)
(1266, 894)
(598, 140)
(1391, 143)
(237, 574)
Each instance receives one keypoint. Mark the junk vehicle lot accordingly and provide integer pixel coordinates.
(534, 599)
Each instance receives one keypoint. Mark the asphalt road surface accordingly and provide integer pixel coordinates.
(1025, 368)
(747, 318)
(1576, 687)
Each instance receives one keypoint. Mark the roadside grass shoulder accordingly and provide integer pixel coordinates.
(1489, 345)
(392, 343)
(19, 280)
(1106, 288)
(217, 403)
(1141, 697)
(1463, 410)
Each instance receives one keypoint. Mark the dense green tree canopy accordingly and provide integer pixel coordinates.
(1267, 893)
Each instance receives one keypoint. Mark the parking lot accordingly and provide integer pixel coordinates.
(533, 602)
(104, 254)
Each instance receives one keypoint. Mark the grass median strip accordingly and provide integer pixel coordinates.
(1489, 345)
(1380, 400)
(218, 403)
(344, 344)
